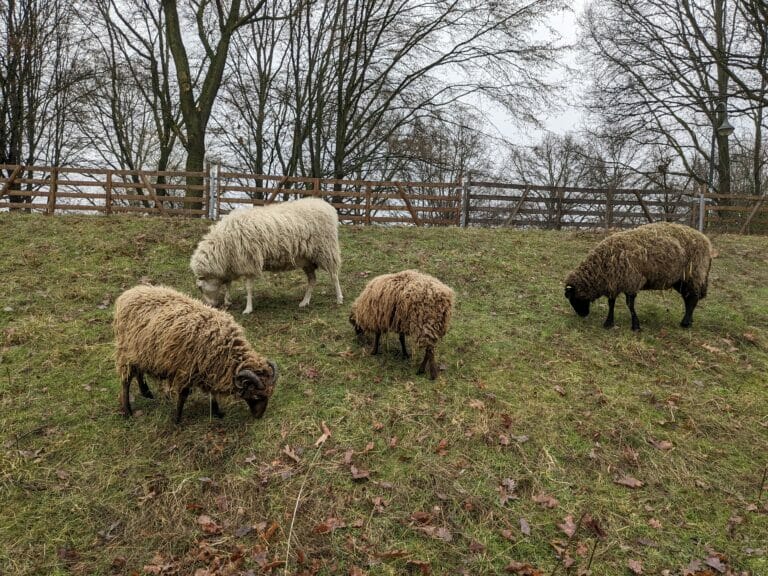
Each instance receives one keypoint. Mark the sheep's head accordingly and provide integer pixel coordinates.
(358, 330)
(255, 387)
(213, 290)
(580, 305)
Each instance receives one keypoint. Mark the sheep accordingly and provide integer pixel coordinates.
(168, 335)
(277, 237)
(410, 303)
(655, 256)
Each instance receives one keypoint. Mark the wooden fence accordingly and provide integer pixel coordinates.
(52, 190)
(57, 189)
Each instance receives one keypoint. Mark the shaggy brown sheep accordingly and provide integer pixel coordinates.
(410, 303)
(171, 336)
(655, 256)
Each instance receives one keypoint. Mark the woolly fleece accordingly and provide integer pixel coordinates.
(172, 336)
(277, 237)
(407, 302)
(655, 256)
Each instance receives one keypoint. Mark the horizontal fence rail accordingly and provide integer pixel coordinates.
(215, 192)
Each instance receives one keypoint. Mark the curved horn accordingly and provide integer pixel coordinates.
(250, 376)
(275, 371)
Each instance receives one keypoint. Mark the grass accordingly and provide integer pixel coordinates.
(535, 418)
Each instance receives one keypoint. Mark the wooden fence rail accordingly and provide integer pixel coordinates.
(52, 189)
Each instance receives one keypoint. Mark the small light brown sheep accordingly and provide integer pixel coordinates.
(285, 236)
(171, 336)
(655, 256)
(409, 303)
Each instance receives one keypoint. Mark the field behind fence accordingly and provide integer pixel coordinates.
(215, 192)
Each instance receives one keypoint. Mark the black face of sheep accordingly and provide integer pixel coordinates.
(580, 305)
(254, 390)
(359, 332)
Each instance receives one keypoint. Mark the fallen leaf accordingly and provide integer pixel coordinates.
(594, 526)
(359, 473)
(653, 523)
(324, 436)
(442, 447)
(288, 451)
(525, 528)
(717, 562)
(661, 444)
(422, 517)
(392, 554)
(243, 531)
(635, 566)
(522, 569)
(477, 404)
(503, 439)
(559, 389)
(568, 526)
(545, 500)
(436, 532)
(424, 567)
(329, 525)
(629, 482)
(475, 547)
(208, 525)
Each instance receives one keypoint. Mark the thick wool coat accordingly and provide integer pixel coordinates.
(651, 257)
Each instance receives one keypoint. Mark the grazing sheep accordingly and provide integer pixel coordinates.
(171, 336)
(407, 302)
(651, 257)
(299, 234)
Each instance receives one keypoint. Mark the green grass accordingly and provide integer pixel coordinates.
(532, 397)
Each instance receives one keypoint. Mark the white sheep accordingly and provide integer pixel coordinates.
(171, 336)
(277, 237)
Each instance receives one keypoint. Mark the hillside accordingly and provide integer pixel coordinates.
(547, 440)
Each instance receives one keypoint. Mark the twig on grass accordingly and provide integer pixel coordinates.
(296, 507)
(762, 485)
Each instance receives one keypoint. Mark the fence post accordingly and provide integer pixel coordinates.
(52, 191)
(214, 196)
(701, 208)
(368, 204)
(608, 208)
(108, 199)
(465, 199)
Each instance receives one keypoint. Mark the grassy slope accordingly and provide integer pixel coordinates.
(531, 394)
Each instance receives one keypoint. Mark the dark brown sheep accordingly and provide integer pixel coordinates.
(655, 256)
(171, 336)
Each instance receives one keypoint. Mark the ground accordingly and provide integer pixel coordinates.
(548, 444)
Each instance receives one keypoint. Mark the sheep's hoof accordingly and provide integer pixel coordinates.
(248, 311)
(636, 328)
(303, 304)
(608, 324)
(685, 324)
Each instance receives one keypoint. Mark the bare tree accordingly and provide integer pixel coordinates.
(39, 75)
(654, 76)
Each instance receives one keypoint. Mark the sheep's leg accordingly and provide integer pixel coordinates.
(183, 393)
(690, 299)
(376, 340)
(309, 270)
(335, 280)
(227, 299)
(215, 408)
(631, 306)
(143, 388)
(125, 398)
(690, 303)
(402, 345)
(248, 295)
(429, 361)
(609, 319)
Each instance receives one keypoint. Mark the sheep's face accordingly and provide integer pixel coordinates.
(580, 305)
(213, 291)
(358, 330)
(256, 388)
